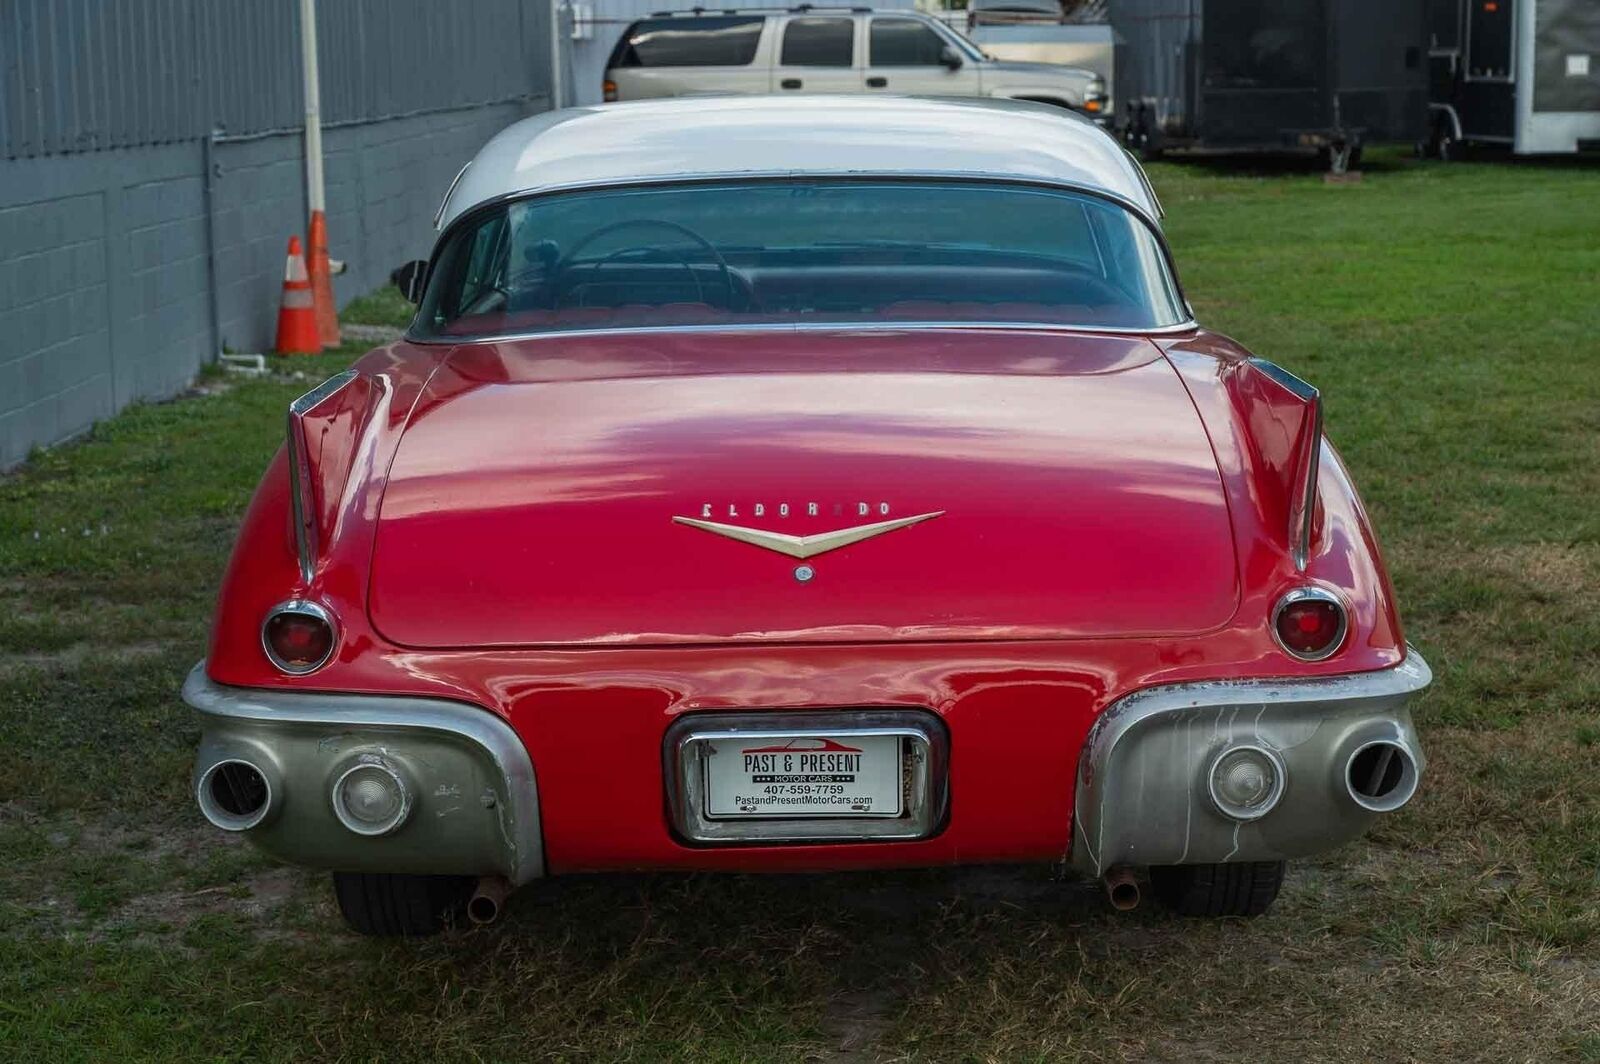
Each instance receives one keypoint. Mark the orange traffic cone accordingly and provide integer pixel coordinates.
(322, 281)
(297, 317)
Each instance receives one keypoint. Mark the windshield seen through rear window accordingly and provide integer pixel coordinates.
(796, 251)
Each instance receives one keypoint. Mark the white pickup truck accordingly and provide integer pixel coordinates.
(808, 49)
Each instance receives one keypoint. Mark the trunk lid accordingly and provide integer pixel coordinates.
(605, 490)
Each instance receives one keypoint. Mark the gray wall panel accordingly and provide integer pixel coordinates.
(105, 288)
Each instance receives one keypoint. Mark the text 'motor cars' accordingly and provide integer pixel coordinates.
(803, 484)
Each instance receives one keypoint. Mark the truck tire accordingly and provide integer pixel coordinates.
(388, 904)
(1245, 889)
(1441, 144)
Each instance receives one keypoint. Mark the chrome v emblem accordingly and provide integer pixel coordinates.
(805, 546)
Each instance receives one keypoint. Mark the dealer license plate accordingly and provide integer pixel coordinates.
(809, 775)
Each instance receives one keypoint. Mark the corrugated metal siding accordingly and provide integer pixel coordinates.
(85, 75)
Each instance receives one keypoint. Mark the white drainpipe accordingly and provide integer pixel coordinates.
(315, 195)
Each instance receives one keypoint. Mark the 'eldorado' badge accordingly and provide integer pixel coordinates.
(805, 546)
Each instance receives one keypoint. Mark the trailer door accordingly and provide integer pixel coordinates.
(1263, 72)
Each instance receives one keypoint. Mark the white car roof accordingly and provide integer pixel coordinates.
(733, 136)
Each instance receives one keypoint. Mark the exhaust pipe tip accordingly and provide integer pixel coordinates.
(1122, 889)
(1381, 776)
(488, 900)
(235, 794)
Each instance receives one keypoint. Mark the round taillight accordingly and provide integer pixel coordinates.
(298, 636)
(1309, 623)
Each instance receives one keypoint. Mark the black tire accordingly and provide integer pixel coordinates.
(1441, 145)
(1245, 889)
(388, 904)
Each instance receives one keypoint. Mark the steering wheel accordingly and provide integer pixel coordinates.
(590, 237)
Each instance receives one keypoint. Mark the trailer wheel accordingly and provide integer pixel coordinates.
(1441, 144)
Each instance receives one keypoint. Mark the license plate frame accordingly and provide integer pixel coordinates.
(924, 752)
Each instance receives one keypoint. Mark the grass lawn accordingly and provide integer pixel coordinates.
(1450, 313)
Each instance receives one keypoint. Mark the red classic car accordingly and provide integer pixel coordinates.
(803, 484)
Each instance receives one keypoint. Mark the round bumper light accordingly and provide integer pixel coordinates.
(298, 636)
(1309, 623)
(371, 799)
(1246, 782)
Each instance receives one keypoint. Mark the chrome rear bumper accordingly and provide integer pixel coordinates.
(471, 803)
(1143, 796)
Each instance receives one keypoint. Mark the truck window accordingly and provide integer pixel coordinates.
(904, 42)
(680, 42)
(818, 42)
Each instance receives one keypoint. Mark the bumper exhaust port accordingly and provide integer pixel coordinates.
(1381, 776)
(234, 794)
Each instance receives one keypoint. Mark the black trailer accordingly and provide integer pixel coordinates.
(1271, 75)
(1520, 73)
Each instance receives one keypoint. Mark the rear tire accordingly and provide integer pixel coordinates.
(1245, 889)
(389, 904)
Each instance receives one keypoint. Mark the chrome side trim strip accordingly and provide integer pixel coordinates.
(809, 326)
(302, 500)
(474, 724)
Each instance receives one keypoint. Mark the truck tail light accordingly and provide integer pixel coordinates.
(298, 636)
(1309, 623)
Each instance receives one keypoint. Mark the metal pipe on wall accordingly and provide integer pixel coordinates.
(556, 74)
(315, 195)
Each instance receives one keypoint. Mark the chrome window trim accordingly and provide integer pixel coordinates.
(470, 216)
(690, 177)
(684, 770)
(444, 204)
(474, 724)
(302, 501)
(303, 608)
(1318, 594)
(830, 326)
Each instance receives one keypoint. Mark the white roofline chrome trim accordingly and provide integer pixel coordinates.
(821, 326)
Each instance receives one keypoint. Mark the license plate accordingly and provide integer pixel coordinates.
(810, 775)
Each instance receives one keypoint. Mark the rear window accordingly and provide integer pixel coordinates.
(802, 250)
(818, 42)
(678, 42)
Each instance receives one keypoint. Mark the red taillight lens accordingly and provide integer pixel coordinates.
(608, 91)
(298, 636)
(1309, 623)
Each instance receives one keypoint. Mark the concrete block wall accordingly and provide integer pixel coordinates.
(104, 280)
(102, 287)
